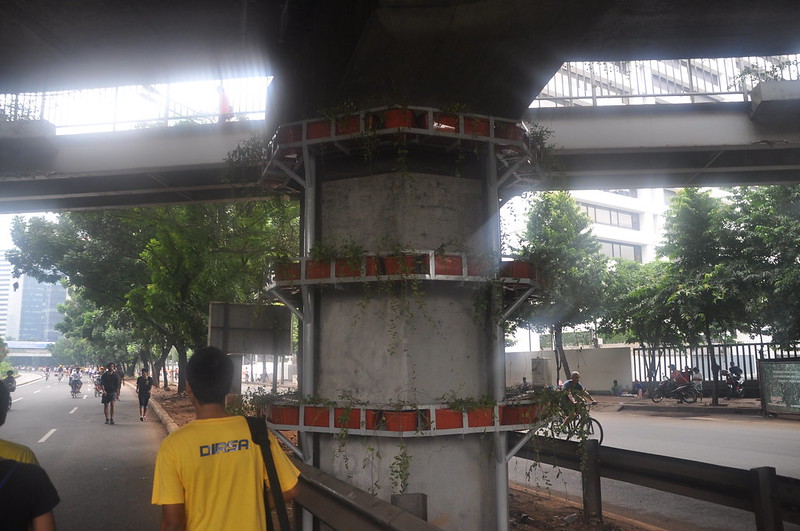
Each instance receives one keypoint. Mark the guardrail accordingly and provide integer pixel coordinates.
(772, 498)
(343, 506)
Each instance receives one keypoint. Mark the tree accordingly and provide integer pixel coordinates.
(706, 299)
(558, 239)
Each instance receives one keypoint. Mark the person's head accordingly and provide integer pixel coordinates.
(575, 376)
(209, 374)
(672, 366)
(111, 366)
(615, 382)
(144, 372)
(696, 370)
(9, 373)
(524, 379)
(4, 398)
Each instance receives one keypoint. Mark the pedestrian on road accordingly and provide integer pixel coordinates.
(27, 496)
(143, 385)
(111, 384)
(221, 486)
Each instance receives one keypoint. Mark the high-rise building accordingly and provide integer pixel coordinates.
(5, 293)
(39, 310)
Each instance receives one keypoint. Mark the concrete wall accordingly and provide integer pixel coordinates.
(599, 367)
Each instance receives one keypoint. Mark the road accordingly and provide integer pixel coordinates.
(103, 473)
(737, 441)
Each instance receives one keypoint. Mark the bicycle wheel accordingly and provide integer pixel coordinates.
(594, 430)
(690, 395)
(657, 396)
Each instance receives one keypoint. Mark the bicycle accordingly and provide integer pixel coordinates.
(576, 426)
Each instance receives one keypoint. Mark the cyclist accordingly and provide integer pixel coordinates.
(573, 389)
(75, 382)
(11, 385)
(46, 373)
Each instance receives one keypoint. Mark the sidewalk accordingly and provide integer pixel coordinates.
(737, 406)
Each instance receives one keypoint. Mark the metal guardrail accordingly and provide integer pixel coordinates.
(343, 506)
(772, 498)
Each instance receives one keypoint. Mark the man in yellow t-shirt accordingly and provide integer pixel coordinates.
(209, 474)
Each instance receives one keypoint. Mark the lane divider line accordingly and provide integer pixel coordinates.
(73, 410)
(37, 391)
(18, 399)
(47, 435)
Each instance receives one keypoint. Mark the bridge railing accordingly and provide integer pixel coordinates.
(580, 84)
(122, 108)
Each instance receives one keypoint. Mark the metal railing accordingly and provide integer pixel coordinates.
(655, 361)
(772, 498)
(663, 81)
(137, 106)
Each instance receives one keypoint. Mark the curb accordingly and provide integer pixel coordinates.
(719, 410)
(161, 413)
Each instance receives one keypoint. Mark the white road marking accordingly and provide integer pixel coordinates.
(38, 390)
(47, 435)
(17, 399)
(73, 410)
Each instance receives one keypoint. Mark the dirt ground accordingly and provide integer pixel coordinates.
(529, 509)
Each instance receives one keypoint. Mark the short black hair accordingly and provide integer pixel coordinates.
(210, 374)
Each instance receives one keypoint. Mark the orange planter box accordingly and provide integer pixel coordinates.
(348, 125)
(372, 266)
(284, 415)
(516, 269)
(318, 129)
(447, 419)
(316, 416)
(521, 414)
(398, 118)
(509, 132)
(399, 265)
(288, 134)
(448, 264)
(318, 269)
(344, 418)
(346, 268)
(400, 420)
(445, 122)
(480, 417)
(371, 419)
(476, 126)
(288, 271)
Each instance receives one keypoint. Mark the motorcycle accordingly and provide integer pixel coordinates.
(667, 389)
(735, 385)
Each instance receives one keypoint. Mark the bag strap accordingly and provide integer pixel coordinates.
(260, 436)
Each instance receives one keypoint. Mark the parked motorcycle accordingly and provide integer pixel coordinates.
(735, 385)
(667, 389)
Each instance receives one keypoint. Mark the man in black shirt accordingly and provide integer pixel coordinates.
(143, 385)
(27, 497)
(110, 383)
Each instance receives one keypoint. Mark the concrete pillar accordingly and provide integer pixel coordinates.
(411, 342)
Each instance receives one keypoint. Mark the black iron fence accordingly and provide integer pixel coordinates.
(652, 364)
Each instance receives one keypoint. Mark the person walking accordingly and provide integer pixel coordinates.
(143, 385)
(111, 384)
(201, 483)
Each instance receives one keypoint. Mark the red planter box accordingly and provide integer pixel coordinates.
(522, 414)
(346, 268)
(372, 268)
(284, 415)
(398, 118)
(448, 264)
(344, 418)
(480, 417)
(400, 420)
(318, 129)
(445, 122)
(447, 419)
(516, 269)
(348, 125)
(476, 126)
(478, 266)
(316, 416)
(509, 132)
(289, 271)
(289, 133)
(318, 269)
(400, 265)
(371, 418)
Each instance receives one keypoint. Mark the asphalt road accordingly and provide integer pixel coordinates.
(737, 441)
(103, 473)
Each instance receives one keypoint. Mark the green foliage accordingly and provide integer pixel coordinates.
(399, 470)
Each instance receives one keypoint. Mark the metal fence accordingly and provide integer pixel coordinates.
(652, 364)
(663, 81)
(137, 106)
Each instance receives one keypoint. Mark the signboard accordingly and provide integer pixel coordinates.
(780, 385)
(250, 328)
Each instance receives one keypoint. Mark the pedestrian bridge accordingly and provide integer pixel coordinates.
(705, 144)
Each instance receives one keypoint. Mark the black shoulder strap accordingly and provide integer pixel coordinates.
(260, 436)
(8, 474)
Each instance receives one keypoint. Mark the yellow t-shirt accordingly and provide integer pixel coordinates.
(17, 452)
(214, 468)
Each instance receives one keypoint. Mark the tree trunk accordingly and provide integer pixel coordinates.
(559, 346)
(181, 368)
(714, 367)
(161, 364)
